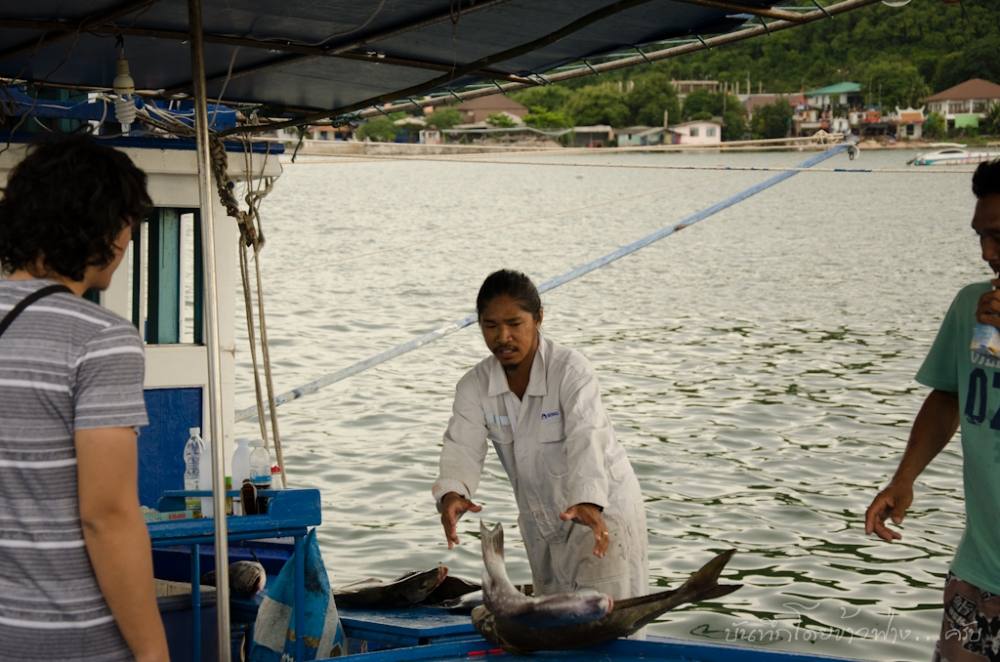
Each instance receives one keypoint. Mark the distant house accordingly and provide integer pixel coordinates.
(966, 103)
(478, 109)
(909, 123)
(598, 135)
(636, 136)
(697, 132)
(844, 94)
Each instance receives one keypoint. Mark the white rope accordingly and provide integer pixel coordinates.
(921, 170)
(572, 274)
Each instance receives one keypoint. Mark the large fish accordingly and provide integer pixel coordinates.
(513, 607)
(517, 634)
(410, 589)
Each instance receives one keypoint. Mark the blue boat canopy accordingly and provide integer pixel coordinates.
(330, 58)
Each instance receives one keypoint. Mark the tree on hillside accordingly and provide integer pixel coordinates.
(892, 82)
(700, 104)
(501, 121)
(444, 118)
(934, 126)
(598, 104)
(704, 105)
(650, 96)
(546, 97)
(773, 120)
(540, 118)
(991, 123)
(378, 129)
(977, 59)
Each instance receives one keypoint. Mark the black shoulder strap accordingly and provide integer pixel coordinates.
(27, 301)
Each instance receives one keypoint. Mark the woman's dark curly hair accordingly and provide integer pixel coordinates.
(66, 203)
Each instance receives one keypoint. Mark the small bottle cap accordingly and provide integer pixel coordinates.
(275, 469)
(254, 443)
(194, 432)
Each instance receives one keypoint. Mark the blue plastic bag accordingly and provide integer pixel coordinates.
(274, 632)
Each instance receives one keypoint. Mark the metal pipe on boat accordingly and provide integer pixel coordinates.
(211, 327)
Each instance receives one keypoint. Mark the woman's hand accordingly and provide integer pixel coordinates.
(590, 515)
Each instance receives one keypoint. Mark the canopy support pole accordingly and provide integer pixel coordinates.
(212, 341)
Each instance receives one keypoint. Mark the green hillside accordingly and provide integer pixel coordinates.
(943, 44)
(899, 56)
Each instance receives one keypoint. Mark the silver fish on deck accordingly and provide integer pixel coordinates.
(517, 634)
(407, 590)
(510, 605)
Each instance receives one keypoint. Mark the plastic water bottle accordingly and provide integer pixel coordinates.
(241, 469)
(986, 340)
(194, 449)
(260, 471)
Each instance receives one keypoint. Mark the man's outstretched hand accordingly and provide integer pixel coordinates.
(453, 506)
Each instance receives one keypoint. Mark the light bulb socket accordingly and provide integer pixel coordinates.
(123, 83)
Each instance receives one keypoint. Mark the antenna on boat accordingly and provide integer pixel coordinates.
(211, 312)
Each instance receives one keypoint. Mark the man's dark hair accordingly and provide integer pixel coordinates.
(986, 180)
(66, 203)
(515, 285)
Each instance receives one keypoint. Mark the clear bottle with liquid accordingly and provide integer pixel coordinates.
(241, 470)
(194, 450)
(260, 471)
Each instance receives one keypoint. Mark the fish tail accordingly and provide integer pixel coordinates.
(492, 540)
(704, 584)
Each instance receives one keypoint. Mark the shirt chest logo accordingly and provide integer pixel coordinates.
(548, 415)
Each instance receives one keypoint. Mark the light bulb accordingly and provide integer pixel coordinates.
(124, 88)
(895, 3)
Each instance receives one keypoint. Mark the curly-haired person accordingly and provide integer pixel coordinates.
(964, 378)
(75, 562)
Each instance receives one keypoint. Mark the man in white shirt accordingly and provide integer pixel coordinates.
(581, 510)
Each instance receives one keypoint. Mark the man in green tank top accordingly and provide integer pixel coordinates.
(964, 375)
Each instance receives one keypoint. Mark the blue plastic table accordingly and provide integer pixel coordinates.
(291, 513)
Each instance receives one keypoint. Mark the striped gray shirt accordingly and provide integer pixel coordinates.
(66, 364)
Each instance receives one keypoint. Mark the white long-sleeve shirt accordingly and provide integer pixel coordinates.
(558, 446)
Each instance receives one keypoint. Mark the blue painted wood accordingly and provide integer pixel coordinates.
(666, 650)
(172, 412)
(290, 513)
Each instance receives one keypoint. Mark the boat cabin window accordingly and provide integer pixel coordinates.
(166, 287)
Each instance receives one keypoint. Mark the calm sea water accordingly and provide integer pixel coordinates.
(757, 366)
